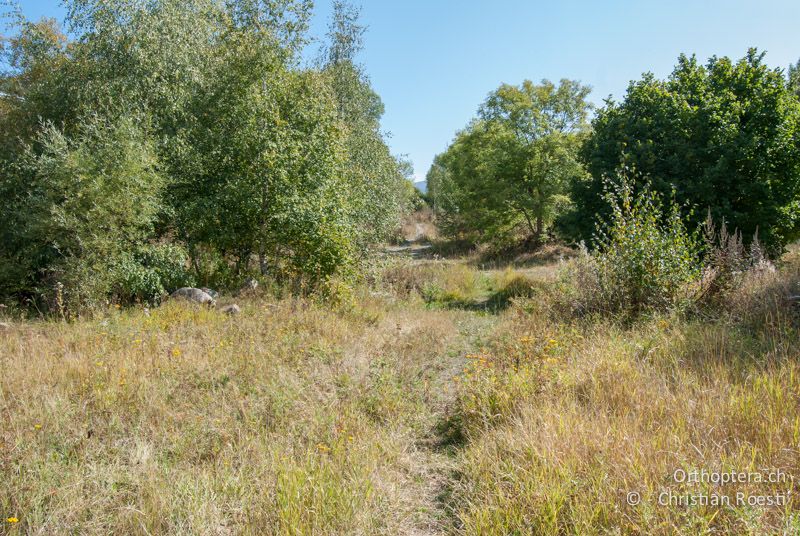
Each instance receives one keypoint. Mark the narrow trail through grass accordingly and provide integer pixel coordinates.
(443, 399)
(440, 442)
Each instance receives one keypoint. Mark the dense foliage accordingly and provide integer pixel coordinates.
(724, 136)
(507, 173)
(645, 259)
(188, 124)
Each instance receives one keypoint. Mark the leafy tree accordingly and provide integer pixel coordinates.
(255, 156)
(724, 136)
(510, 167)
(376, 183)
(263, 172)
(68, 213)
(793, 78)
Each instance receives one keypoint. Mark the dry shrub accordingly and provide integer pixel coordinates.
(765, 296)
(419, 226)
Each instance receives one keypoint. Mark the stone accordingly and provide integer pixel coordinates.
(195, 295)
(213, 293)
(231, 309)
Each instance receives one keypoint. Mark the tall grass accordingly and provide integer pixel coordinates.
(563, 420)
(403, 411)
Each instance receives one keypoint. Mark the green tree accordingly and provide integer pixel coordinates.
(793, 78)
(263, 169)
(510, 168)
(68, 215)
(375, 180)
(724, 136)
(256, 157)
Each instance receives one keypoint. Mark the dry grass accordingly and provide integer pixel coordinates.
(291, 419)
(419, 226)
(562, 421)
(411, 411)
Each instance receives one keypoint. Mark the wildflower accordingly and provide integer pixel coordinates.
(322, 447)
(99, 363)
(137, 341)
(176, 352)
(37, 426)
(350, 438)
(12, 520)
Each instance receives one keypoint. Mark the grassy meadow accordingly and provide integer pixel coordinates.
(440, 398)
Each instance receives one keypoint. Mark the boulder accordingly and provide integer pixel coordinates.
(231, 309)
(192, 294)
(213, 293)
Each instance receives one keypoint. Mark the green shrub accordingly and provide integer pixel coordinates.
(150, 272)
(84, 199)
(645, 257)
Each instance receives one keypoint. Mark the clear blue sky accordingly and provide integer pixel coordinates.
(434, 61)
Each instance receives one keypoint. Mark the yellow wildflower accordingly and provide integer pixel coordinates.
(37, 426)
(176, 352)
(12, 520)
(322, 447)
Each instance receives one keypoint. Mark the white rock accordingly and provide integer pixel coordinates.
(195, 295)
(231, 310)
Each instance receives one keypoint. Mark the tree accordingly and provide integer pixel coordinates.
(376, 184)
(793, 78)
(510, 167)
(723, 135)
(256, 157)
(68, 212)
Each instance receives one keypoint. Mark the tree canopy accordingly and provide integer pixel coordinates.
(507, 173)
(724, 135)
(239, 151)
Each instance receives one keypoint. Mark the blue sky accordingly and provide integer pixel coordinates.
(434, 61)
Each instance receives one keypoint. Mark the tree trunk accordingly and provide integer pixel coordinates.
(539, 229)
(527, 219)
(262, 262)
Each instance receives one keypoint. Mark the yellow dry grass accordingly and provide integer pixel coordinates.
(407, 412)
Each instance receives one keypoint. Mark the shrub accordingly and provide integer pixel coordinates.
(728, 261)
(149, 273)
(645, 258)
(83, 201)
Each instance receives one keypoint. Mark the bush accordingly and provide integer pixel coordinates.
(82, 201)
(150, 272)
(645, 259)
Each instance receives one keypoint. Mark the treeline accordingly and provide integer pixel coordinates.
(720, 139)
(180, 142)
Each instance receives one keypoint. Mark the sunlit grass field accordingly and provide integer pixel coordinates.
(441, 399)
